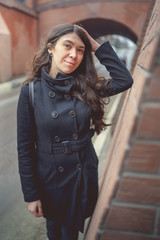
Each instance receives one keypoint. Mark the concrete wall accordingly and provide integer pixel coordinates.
(129, 199)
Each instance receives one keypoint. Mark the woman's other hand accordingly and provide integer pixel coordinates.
(95, 45)
(35, 208)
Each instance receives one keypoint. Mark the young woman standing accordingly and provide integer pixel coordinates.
(57, 161)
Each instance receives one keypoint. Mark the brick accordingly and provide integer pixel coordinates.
(132, 14)
(158, 227)
(22, 33)
(150, 40)
(143, 157)
(139, 190)
(148, 125)
(153, 92)
(147, 52)
(130, 219)
(157, 66)
(153, 25)
(110, 235)
(29, 3)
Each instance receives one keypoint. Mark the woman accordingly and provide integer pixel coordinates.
(57, 161)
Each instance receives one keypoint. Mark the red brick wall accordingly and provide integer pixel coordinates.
(5, 50)
(22, 21)
(29, 3)
(132, 13)
(23, 29)
(129, 199)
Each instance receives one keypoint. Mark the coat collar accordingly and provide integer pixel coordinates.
(62, 83)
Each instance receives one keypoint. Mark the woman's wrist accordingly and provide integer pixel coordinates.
(97, 45)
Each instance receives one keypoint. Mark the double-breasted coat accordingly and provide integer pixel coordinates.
(57, 161)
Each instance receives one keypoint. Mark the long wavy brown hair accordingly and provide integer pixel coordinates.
(87, 86)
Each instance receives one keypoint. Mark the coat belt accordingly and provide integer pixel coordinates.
(66, 147)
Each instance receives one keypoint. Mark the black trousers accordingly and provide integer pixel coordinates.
(60, 232)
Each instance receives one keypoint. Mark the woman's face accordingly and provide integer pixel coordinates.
(67, 54)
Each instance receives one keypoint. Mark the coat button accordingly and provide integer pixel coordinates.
(51, 94)
(51, 83)
(79, 167)
(54, 114)
(67, 96)
(72, 113)
(61, 169)
(57, 139)
(75, 136)
(66, 82)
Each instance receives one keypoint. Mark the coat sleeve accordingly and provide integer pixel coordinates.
(26, 147)
(121, 79)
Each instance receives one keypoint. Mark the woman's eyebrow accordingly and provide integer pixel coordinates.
(73, 43)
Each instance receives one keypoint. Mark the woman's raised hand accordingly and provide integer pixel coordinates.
(35, 208)
(95, 45)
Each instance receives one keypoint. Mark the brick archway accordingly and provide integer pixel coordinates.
(126, 18)
(99, 27)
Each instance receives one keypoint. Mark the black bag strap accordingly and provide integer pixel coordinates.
(31, 94)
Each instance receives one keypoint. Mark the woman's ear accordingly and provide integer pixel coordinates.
(49, 47)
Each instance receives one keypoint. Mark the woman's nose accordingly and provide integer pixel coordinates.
(73, 53)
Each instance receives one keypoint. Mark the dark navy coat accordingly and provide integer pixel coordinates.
(57, 161)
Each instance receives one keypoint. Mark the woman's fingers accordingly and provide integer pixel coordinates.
(84, 30)
(40, 211)
(94, 44)
(35, 208)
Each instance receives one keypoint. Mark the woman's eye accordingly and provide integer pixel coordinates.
(80, 50)
(67, 45)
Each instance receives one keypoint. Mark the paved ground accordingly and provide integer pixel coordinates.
(16, 223)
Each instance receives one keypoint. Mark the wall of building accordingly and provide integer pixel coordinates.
(5, 50)
(131, 14)
(29, 3)
(30, 21)
(129, 200)
(22, 27)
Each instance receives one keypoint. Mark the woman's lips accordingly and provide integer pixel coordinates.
(70, 63)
